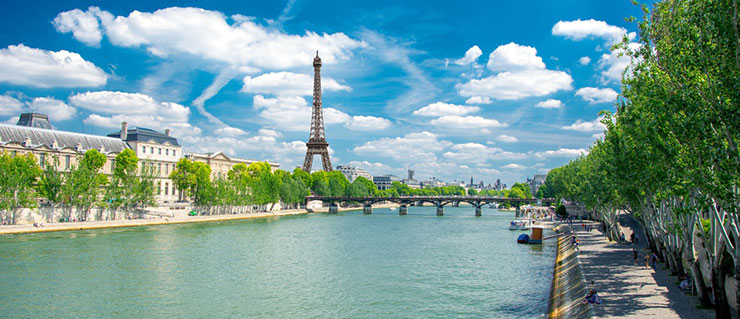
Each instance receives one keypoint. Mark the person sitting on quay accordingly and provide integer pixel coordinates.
(684, 284)
(592, 297)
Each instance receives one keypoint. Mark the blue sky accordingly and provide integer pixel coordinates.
(450, 89)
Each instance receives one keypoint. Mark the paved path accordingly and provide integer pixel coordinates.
(629, 290)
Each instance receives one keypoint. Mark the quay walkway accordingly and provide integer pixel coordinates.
(629, 290)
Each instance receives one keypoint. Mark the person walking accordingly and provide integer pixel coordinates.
(653, 260)
(647, 260)
(634, 255)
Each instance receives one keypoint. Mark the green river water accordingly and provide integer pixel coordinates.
(347, 265)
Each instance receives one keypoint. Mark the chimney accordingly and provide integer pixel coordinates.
(124, 130)
(167, 132)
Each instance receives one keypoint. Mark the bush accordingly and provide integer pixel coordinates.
(561, 211)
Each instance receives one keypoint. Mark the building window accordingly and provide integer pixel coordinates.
(174, 153)
(166, 189)
(13, 153)
(42, 159)
(151, 150)
(143, 149)
(159, 168)
(167, 151)
(66, 162)
(159, 186)
(167, 168)
(159, 151)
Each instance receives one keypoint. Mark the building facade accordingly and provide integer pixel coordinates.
(384, 182)
(221, 164)
(159, 150)
(352, 173)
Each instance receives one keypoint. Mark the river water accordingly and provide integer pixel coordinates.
(347, 265)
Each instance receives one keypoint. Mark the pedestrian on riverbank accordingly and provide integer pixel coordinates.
(653, 260)
(647, 260)
(634, 255)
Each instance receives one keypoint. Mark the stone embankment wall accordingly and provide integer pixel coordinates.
(46, 214)
(568, 286)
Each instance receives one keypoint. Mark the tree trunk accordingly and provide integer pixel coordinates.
(701, 288)
(722, 307)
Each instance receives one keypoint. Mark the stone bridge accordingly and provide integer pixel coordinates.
(438, 201)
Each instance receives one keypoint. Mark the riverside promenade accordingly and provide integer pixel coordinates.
(629, 290)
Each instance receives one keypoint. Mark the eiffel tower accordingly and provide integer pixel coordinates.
(317, 144)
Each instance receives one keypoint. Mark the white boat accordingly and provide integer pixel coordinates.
(520, 224)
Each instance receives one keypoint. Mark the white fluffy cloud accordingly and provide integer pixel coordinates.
(10, 106)
(562, 152)
(83, 25)
(470, 56)
(478, 100)
(367, 123)
(581, 126)
(581, 29)
(514, 57)
(208, 35)
(22, 65)
(517, 85)
(507, 139)
(597, 95)
(288, 84)
(478, 153)
(135, 108)
(411, 147)
(292, 113)
(57, 110)
(373, 168)
(465, 122)
(513, 166)
(584, 60)
(229, 131)
(550, 104)
(442, 109)
(614, 63)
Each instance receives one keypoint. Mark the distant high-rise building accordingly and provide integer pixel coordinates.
(411, 174)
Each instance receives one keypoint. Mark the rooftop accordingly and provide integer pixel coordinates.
(36, 137)
(141, 134)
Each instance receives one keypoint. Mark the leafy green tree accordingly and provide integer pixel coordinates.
(338, 183)
(472, 192)
(50, 186)
(19, 173)
(132, 184)
(321, 188)
(83, 184)
(304, 176)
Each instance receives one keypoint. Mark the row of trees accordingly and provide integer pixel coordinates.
(76, 191)
(670, 152)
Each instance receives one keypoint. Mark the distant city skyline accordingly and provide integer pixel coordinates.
(488, 90)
